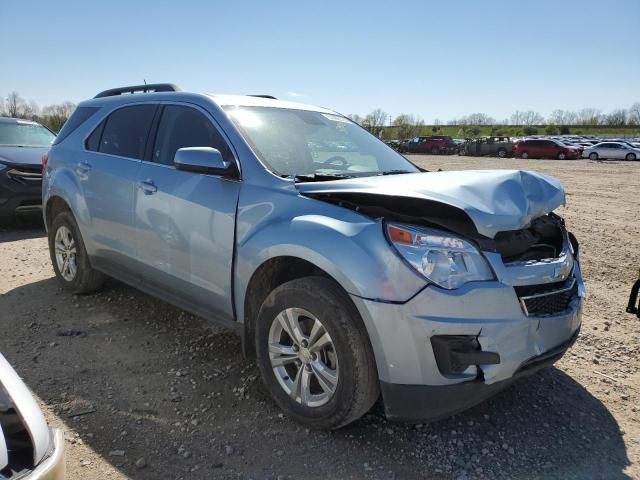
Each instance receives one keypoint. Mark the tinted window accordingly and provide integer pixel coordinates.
(77, 118)
(93, 142)
(125, 133)
(186, 127)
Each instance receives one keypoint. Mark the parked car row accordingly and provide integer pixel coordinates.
(561, 148)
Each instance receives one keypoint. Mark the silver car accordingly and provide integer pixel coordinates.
(347, 271)
(612, 150)
(29, 449)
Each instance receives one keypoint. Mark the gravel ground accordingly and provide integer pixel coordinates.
(145, 390)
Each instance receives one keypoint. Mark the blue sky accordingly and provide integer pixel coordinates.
(439, 59)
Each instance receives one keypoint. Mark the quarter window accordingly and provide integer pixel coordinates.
(93, 141)
(182, 127)
(126, 130)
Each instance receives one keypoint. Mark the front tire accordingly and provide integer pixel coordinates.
(314, 354)
(524, 155)
(562, 156)
(593, 156)
(631, 157)
(502, 153)
(435, 151)
(69, 256)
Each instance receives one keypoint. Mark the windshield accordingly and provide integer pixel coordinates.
(303, 143)
(25, 134)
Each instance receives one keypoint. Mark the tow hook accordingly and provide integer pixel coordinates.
(633, 306)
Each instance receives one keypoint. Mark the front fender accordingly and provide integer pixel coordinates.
(352, 249)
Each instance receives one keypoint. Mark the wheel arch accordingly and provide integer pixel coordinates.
(54, 204)
(269, 275)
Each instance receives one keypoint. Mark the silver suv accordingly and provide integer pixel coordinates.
(348, 271)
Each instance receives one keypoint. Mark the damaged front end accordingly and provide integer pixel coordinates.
(449, 347)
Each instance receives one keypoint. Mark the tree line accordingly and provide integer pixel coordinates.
(51, 116)
(407, 125)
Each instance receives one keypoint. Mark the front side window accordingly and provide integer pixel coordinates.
(294, 142)
(182, 127)
(24, 133)
(126, 130)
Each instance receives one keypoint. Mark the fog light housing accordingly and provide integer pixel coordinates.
(455, 353)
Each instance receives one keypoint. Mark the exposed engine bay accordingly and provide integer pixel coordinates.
(542, 239)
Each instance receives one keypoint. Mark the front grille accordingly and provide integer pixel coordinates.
(549, 299)
(26, 176)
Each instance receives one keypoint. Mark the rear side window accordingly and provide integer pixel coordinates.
(182, 127)
(93, 141)
(126, 130)
(77, 118)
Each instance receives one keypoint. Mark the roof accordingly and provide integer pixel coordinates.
(251, 101)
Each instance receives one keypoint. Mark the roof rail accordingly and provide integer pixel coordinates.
(271, 97)
(151, 87)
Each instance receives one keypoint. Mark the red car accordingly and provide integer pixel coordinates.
(433, 144)
(545, 148)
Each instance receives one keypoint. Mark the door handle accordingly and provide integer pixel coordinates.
(148, 187)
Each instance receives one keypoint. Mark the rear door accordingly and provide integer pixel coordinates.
(185, 221)
(107, 174)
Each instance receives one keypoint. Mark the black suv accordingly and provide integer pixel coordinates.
(22, 145)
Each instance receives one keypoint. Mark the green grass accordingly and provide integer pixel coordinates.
(455, 131)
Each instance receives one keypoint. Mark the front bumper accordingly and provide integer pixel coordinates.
(52, 467)
(422, 402)
(19, 195)
(413, 386)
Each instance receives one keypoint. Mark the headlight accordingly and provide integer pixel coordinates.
(445, 260)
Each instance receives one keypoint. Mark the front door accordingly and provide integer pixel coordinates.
(185, 221)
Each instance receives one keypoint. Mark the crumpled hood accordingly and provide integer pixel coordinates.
(494, 200)
(22, 155)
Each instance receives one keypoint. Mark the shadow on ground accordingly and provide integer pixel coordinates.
(167, 387)
(21, 229)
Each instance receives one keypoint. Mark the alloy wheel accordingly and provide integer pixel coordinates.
(65, 252)
(303, 357)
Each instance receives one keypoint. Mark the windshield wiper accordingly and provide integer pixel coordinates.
(319, 177)
(395, 172)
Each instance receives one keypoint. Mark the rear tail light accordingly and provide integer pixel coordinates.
(45, 160)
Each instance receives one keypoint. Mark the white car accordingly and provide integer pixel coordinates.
(29, 448)
(614, 150)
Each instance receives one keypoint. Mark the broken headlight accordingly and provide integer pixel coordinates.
(443, 259)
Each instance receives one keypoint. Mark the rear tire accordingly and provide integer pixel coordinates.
(285, 328)
(525, 155)
(593, 156)
(435, 151)
(69, 256)
(502, 153)
(631, 157)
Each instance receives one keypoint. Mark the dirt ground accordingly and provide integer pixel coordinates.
(147, 391)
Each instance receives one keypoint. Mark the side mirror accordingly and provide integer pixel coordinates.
(204, 160)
